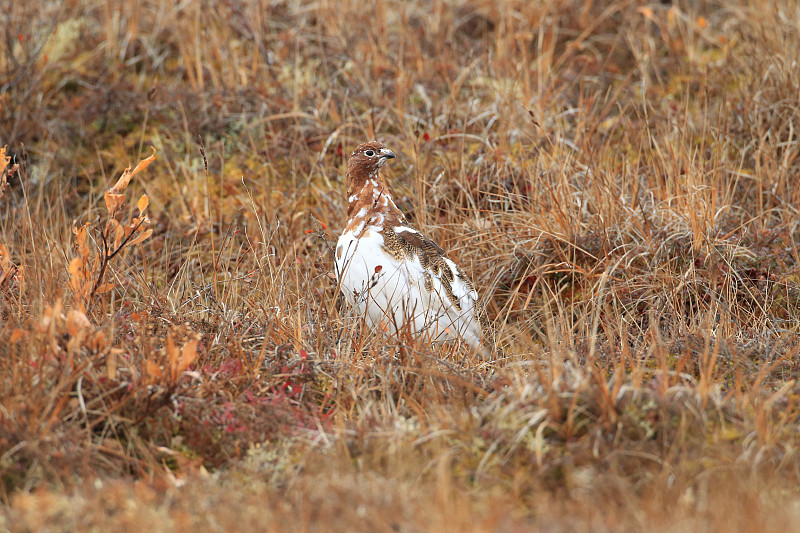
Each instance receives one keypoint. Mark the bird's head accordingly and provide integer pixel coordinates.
(366, 160)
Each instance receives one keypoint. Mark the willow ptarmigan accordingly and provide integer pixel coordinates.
(395, 276)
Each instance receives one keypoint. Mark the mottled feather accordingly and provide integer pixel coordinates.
(391, 272)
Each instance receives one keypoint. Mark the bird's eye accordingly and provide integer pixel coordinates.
(369, 153)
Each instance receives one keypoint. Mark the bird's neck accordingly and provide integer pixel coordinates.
(366, 191)
(369, 203)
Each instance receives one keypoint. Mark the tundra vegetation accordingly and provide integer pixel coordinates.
(619, 179)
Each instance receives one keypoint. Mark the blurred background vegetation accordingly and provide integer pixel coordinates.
(619, 178)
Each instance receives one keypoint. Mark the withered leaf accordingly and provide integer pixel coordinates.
(76, 273)
(114, 202)
(106, 287)
(122, 182)
(188, 354)
(142, 236)
(77, 323)
(153, 370)
(144, 201)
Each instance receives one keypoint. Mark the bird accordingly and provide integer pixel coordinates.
(396, 277)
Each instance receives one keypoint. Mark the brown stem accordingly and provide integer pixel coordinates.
(107, 258)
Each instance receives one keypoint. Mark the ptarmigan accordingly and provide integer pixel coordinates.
(395, 276)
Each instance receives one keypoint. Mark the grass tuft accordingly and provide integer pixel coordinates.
(617, 178)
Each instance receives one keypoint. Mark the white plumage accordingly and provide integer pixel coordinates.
(391, 293)
(392, 274)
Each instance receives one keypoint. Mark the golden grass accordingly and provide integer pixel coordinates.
(619, 179)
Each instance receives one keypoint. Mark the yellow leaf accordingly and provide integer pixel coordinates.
(144, 201)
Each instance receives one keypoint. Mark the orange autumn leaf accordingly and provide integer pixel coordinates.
(7, 268)
(115, 196)
(153, 370)
(17, 335)
(188, 355)
(122, 182)
(173, 356)
(76, 273)
(99, 341)
(113, 202)
(143, 202)
(106, 287)
(77, 323)
(80, 236)
(142, 236)
(119, 234)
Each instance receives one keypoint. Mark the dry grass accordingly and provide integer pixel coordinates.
(619, 178)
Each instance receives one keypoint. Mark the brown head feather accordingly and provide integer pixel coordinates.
(367, 192)
(364, 164)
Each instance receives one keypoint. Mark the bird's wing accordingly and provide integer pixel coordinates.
(398, 277)
(449, 297)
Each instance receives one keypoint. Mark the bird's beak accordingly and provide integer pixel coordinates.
(387, 154)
